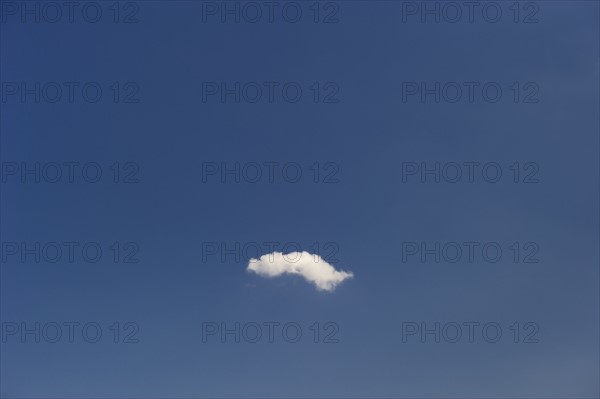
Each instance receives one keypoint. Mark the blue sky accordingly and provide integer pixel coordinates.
(158, 126)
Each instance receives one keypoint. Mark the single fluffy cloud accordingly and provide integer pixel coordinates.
(312, 267)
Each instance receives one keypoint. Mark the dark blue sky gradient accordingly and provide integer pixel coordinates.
(368, 214)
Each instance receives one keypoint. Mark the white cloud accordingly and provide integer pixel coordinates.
(312, 267)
